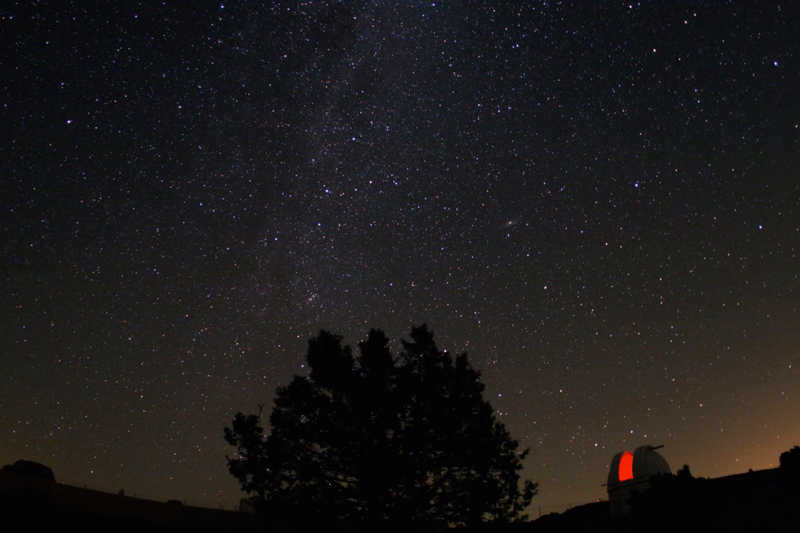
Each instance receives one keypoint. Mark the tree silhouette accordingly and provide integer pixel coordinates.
(790, 460)
(370, 438)
(684, 473)
(789, 471)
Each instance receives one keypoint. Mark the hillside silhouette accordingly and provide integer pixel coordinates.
(31, 499)
(762, 500)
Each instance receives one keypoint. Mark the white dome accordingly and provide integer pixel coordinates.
(639, 465)
(630, 472)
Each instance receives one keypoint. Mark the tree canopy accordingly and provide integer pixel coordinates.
(374, 437)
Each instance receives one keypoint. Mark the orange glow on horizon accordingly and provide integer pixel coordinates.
(626, 466)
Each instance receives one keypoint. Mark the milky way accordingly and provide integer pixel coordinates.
(599, 204)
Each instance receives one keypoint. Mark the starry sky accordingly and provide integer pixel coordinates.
(598, 201)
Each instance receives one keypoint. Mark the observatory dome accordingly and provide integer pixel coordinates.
(631, 472)
(639, 465)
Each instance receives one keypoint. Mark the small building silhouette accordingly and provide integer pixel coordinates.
(631, 473)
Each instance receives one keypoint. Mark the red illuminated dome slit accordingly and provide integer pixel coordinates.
(626, 466)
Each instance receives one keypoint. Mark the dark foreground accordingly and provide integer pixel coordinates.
(763, 501)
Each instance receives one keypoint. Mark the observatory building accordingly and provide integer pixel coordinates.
(630, 472)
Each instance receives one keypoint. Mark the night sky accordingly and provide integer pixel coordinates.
(598, 201)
